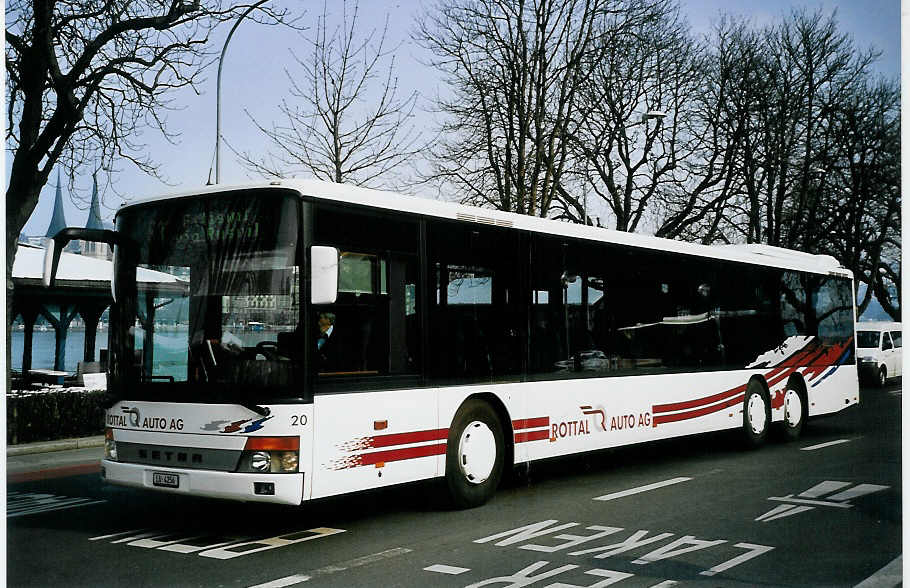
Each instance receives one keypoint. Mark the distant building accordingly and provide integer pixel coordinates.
(58, 222)
(92, 249)
(58, 219)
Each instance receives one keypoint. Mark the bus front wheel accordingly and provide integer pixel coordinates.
(756, 414)
(882, 377)
(474, 454)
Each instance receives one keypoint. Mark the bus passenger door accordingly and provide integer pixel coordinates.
(374, 424)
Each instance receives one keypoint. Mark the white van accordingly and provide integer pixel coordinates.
(878, 349)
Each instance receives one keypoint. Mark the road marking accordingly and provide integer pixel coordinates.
(282, 582)
(823, 445)
(826, 487)
(99, 537)
(640, 489)
(22, 504)
(890, 575)
(782, 511)
(333, 568)
(258, 545)
(444, 569)
(857, 491)
(822, 494)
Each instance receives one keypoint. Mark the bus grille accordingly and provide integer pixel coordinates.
(192, 458)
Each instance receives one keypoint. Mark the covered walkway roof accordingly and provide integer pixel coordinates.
(83, 286)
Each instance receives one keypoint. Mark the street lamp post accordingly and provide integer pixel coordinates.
(645, 117)
(218, 89)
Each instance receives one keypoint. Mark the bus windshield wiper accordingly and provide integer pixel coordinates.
(260, 410)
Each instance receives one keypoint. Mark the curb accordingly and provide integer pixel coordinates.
(51, 446)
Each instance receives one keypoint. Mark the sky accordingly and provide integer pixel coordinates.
(254, 81)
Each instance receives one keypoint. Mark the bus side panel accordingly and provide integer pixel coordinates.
(371, 439)
(512, 398)
(598, 413)
(834, 389)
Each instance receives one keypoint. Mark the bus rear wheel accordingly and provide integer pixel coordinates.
(795, 410)
(756, 414)
(474, 454)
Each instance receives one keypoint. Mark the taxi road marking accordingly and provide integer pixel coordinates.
(640, 489)
(331, 569)
(444, 569)
(21, 504)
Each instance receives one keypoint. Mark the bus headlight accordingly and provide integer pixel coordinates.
(110, 446)
(261, 461)
(288, 461)
(271, 455)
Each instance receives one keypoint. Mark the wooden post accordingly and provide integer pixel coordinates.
(61, 326)
(91, 313)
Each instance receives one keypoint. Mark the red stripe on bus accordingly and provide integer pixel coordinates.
(781, 377)
(682, 416)
(532, 436)
(697, 402)
(366, 459)
(406, 438)
(531, 423)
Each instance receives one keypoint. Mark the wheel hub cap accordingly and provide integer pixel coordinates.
(477, 452)
(757, 416)
(793, 408)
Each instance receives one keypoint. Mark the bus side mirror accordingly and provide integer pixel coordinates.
(51, 261)
(56, 244)
(323, 274)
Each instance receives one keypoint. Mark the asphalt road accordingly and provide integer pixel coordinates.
(822, 511)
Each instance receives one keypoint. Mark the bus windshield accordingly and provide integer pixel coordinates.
(209, 299)
(867, 339)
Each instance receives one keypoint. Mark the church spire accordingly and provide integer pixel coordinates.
(58, 222)
(94, 212)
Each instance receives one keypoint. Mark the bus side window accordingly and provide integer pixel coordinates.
(478, 318)
(372, 329)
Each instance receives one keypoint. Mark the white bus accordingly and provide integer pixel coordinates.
(410, 339)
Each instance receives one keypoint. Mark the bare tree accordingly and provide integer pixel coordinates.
(816, 163)
(637, 127)
(86, 77)
(514, 70)
(861, 190)
(336, 126)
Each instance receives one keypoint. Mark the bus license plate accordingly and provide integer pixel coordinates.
(165, 480)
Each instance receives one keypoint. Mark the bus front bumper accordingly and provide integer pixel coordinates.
(275, 488)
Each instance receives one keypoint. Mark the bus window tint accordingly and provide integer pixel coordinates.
(664, 309)
(372, 328)
(478, 316)
(568, 303)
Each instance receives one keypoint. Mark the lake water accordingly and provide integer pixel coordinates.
(170, 357)
(44, 343)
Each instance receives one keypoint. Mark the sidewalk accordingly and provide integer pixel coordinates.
(51, 446)
(53, 459)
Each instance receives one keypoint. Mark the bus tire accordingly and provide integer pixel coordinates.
(475, 453)
(795, 413)
(756, 415)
